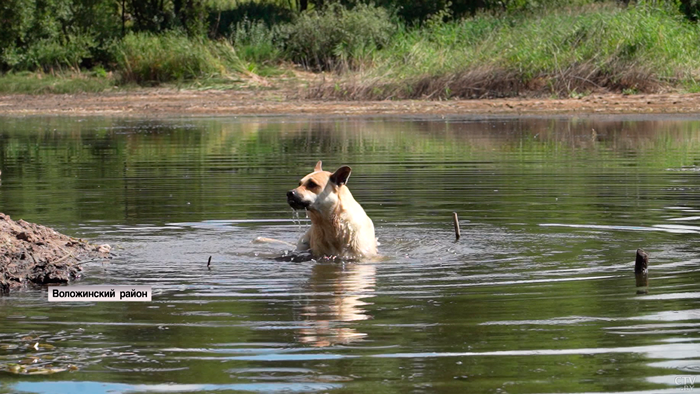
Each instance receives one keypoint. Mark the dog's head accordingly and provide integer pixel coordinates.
(318, 189)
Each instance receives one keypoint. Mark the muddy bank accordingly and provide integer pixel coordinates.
(161, 102)
(31, 254)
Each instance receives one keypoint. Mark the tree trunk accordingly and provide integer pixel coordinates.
(123, 18)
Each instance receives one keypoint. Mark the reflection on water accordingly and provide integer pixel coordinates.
(642, 281)
(347, 287)
(539, 295)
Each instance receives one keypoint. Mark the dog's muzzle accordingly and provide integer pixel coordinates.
(294, 200)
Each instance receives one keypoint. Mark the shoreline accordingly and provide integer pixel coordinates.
(158, 102)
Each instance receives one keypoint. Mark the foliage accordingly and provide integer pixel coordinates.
(191, 16)
(161, 15)
(222, 23)
(690, 8)
(255, 42)
(329, 38)
(416, 12)
(54, 33)
(16, 19)
(50, 54)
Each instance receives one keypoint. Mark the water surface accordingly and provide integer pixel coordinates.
(538, 296)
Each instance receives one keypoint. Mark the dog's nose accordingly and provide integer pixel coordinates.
(295, 201)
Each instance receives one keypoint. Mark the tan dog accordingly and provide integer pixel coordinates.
(339, 225)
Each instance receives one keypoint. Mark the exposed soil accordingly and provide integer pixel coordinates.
(35, 254)
(170, 102)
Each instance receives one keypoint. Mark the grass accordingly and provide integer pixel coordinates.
(68, 82)
(152, 59)
(255, 46)
(71, 83)
(141, 59)
(602, 48)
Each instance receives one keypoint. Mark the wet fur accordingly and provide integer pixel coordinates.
(339, 225)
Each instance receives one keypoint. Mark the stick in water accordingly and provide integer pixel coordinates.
(456, 220)
(641, 265)
(641, 262)
(209, 263)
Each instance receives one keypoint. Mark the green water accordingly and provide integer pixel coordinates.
(538, 296)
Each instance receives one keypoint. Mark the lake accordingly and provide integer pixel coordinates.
(539, 295)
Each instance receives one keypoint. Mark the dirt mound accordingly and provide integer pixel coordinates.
(35, 254)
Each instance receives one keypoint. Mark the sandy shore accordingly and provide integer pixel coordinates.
(170, 102)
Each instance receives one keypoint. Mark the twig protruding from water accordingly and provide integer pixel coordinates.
(458, 233)
(641, 263)
(209, 263)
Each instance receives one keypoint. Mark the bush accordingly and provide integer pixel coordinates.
(49, 54)
(223, 23)
(145, 58)
(54, 34)
(332, 37)
(416, 12)
(689, 8)
(255, 42)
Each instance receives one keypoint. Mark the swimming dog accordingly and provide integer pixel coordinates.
(339, 225)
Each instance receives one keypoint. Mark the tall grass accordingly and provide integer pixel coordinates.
(639, 48)
(256, 42)
(146, 58)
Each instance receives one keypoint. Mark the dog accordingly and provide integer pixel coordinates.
(339, 225)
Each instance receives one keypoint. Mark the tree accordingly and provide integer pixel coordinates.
(151, 15)
(190, 15)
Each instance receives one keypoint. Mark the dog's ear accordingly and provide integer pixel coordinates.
(318, 166)
(341, 175)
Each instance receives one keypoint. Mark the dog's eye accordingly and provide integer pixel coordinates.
(311, 184)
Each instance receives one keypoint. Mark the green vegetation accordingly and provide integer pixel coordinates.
(147, 58)
(335, 37)
(565, 52)
(36, 83)
(388, 49)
